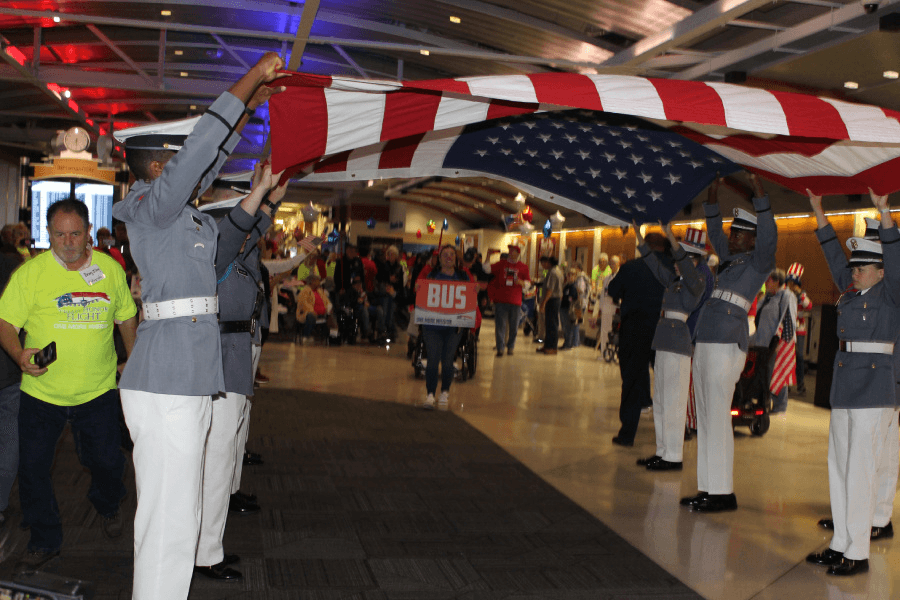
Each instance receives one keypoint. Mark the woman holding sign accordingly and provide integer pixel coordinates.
(441, 341)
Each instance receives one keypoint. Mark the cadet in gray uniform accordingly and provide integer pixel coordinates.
(176, 365)
(672, 343)
(747, 257)
(863, 391)
(240, 298)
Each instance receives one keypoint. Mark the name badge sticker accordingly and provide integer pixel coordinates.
(92, 275)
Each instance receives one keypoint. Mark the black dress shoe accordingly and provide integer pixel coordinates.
(715, 503)
(247, 497)
(643, 462)
(619, 440)
(665, 465)
(251, 459)
(230, 559)
(826, 557)
(826, 524)
(692, 500)
(882, 533)
(848, 567)
(241, 505)
(219, 572)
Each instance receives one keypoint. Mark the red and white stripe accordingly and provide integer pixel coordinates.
(785, 370)
(319, 116)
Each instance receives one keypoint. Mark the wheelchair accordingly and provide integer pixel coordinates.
(464, 364)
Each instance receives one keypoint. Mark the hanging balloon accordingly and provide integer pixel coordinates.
(446, 225)
(457, 240)
(548, 229)
(310, 213)
(508, 220)
(431, 225)
(527, 215)
(334, 236)
(298, 233)
(418, 233)
(370, 222)
(526, 228)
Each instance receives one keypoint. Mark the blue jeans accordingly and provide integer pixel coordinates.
(9, 441)
(569, 327)
(506, 319)
(440, 344)
(309, 325)
(366, 315)
(387, 307)
(95, 428)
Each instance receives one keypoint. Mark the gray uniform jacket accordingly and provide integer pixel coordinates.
(723, 322)
(865, 380)
(239, 289)
(772, 314)
(174, 246)
(682, 294)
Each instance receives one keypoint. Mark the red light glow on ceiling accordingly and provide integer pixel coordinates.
(16, 54)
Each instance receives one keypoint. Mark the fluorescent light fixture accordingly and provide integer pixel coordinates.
(193, 107)
(851, 85)
(424, 52)
(456, 20)
(183, 74)
(56, 19)
(179, 52)
(891, 75)
(166, 13)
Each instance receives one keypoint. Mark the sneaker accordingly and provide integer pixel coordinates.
(32, 560)
(260, 378)
(113, 526)
(429, 402)
(444, 400)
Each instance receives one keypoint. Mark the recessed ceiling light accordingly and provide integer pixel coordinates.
(183, 74)
(56, 19)
(424, 52)
(456, 20)
(166, 13)
(851, 85)
(891, 75)
(193, 107)
(179, 52)
(67, 94)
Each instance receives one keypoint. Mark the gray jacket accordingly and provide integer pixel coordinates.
(865, 380)
(723, 322)
(174, 247)
(239, 290)
(682, 294)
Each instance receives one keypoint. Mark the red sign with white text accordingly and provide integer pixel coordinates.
(446, 303)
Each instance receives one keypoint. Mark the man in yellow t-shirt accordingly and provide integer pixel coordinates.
(71, 296)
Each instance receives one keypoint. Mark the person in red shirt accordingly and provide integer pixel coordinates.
(507, 278)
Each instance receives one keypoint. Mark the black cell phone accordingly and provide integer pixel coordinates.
(46, 356)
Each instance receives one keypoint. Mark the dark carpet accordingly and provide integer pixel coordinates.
(372, 500)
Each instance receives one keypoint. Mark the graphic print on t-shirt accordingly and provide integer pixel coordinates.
(80, 310)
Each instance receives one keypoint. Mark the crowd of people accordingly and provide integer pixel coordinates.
(179, 300)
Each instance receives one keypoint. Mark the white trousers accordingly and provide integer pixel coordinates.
(244, 428)
(886, 476)
(717, 368)
(856, 440)
(671, 380)
(169, 434)
(218, 471)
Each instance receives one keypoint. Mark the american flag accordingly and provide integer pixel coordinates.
(797, 140)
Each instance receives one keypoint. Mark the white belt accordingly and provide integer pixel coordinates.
(732, 297)
(183, 307)
(675, 314)
(871, 347)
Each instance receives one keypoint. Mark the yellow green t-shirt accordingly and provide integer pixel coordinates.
(53, 304)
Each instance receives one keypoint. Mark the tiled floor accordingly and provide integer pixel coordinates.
(317, 538)
(557, 415)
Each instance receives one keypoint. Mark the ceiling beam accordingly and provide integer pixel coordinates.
(831, 20)
(74, 77)
(520, 19)
(350, 61)
(684, 32)
(231, 51)
(441, 211)
(120, 53)
(438, 196)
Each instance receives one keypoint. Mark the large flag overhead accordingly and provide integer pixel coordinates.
(346, 129)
